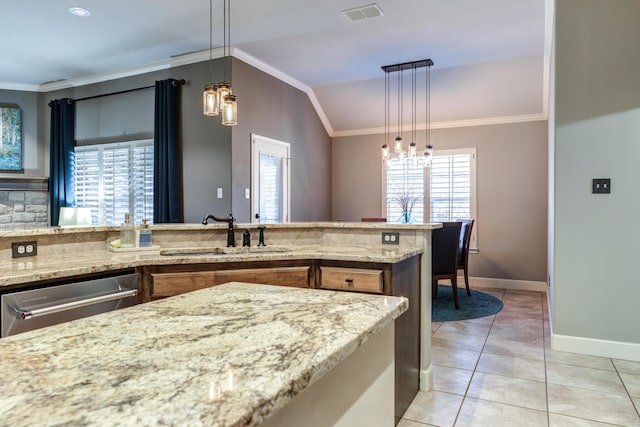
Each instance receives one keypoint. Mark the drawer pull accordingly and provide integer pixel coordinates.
(349, 281)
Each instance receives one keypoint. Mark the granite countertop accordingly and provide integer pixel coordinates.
(225, 356)
(47, 267)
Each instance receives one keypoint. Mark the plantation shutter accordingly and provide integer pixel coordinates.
(405, 188)
(114, 179)
(450, 187)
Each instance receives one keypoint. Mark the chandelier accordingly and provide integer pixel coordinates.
(400, 152)
(218, 99)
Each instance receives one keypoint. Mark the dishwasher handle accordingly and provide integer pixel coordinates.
(30, 314)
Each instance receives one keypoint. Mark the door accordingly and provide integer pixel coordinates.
(270, 180)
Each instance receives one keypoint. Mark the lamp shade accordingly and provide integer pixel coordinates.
(210, 100)
(230, 111)
(73, 217)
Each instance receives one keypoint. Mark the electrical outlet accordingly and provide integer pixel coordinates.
(23, 249)
(389, 238)
(601, 186)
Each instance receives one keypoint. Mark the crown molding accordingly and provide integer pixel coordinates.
(19, 86)
(268, 69)
(521, 118)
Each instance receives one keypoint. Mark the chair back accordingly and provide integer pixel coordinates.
(444, 249)
(465, 240)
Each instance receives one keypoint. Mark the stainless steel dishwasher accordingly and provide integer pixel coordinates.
(26, 310)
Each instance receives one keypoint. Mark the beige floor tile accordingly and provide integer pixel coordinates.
(632, 383)
(454, 358)
(434, 407)
(451, 380)
(468, 328)
(457, 340)
(556, 420)
(587, 378)
(512, 367)
(480, 413)
(592, 405)
(512, 391)
(408, 423)
(435, 326)
(485, 319)
(513, 348)
(519, 322)
(529, 336)
(627, 366)
(579, 360)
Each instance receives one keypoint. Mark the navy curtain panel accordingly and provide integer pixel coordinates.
(167, 180)
(62, 141)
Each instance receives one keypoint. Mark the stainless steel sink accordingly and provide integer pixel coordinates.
(212, 251)
(192, 251)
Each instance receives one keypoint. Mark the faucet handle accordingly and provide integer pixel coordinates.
(261, 236)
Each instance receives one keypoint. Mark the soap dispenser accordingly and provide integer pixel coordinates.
(127, 231)
(145, 234)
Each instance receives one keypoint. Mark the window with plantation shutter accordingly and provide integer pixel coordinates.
(114, 179)
(451, 189)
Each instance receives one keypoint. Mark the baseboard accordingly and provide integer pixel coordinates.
(596, 347)
(426, 379)
(520, 285)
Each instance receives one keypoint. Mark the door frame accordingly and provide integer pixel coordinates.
(260, 144)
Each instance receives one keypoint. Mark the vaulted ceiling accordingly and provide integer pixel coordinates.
(490, 55)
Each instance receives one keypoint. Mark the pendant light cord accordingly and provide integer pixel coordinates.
(211, 40)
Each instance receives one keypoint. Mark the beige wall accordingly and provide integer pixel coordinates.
(512, 192)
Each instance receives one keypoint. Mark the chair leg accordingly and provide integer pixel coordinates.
(454, 285)
(466, 280)
(434, 289)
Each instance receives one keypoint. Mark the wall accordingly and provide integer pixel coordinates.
(512, 192)
(597, 134)
(267, 106)
(34, 161)
(271, 108)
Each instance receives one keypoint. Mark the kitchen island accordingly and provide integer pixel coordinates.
(233, 355)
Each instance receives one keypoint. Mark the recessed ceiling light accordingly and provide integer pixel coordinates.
(79, 11)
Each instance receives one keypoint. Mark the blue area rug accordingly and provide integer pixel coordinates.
(477, 305)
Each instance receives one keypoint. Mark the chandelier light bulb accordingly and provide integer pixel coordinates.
(412, 150)
(398, 146)
(385, 152)
(230, 111)
(210, 100)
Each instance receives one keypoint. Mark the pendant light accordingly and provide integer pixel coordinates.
(210, 95)
(227, 101)
(399, 153)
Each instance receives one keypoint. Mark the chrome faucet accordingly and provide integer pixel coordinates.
(231, 237)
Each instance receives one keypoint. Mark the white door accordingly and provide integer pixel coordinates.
(270, 180)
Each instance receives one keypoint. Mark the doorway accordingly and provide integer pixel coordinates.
(270, 180)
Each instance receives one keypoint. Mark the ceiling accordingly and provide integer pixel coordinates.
(489, 55)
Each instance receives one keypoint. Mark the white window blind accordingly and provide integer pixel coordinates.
(451, 184)
(270, 188)
(450, 187)
(114, 179)
(405, 191)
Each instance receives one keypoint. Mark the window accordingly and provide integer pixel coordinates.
(113, 179)
(451, 184)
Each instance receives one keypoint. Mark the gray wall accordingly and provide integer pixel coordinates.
(597, 135)
(512, 192)
(271, 108)
(34, 161)
(267, 106)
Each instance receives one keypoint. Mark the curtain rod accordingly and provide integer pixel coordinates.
(175, 83)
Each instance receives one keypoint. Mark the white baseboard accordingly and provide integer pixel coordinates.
(596, 347)
(488, 282)
(426, 379)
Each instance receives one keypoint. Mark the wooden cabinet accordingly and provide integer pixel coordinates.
(165, 281)
(351, 279)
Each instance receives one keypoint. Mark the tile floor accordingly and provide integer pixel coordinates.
(500, 371)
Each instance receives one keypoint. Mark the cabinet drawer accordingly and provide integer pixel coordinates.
(352, 279)
(169, 284)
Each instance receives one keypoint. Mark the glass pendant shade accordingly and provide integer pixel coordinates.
(398, 146)
(210, 100)
(230, 111)
(412, 150)
(385, 152)
(223, 90)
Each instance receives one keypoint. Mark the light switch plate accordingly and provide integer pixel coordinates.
(219, 193)
(247, 193)
(601, 186)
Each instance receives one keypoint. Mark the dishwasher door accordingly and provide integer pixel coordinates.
(36, 308)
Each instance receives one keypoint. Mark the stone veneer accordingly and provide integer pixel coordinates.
(24, 209)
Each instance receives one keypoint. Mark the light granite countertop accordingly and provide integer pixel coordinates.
(55, 266)
(225, 356)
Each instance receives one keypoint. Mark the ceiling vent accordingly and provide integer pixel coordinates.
(363, 12)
